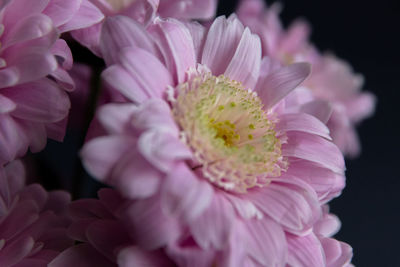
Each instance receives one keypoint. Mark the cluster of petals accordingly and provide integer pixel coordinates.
(34, 81)
(144, 152)
(104, 238)
(144, 11)
(33, 225)
(332, 80)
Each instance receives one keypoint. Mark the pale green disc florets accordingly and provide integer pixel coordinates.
(232, 137)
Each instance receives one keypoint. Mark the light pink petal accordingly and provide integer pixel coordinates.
(141, 11)
(176, 45)
(32, 65)
(315, 149)
(8, 77)
(198, 33)
(61, 50)
(36, 134)
(82, 255)
(296, 38)
(6, 104)
(214, 227)
(265, 242)
(197, 9)
(135, 79)
(61, 11)
(155, 113)
(63, 78)
(320, 109)
(18, 9)
(302, 122)
(13, 139)
(150, 228)
(337, 253)
(222, 41)
(184, 195)
(361, 106)
(34, 26)
(40, 101)
(327, 226)
(326, 183)
(245, 64)
(135, 256)
(134, 176)
(291, 203)
(305, 251)
(115, 117)
(101, 154)
(120, 32)
(281, 82)
(87, 15)
(89, 37)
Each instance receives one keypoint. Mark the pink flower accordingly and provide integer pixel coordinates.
(104, 239)
(332, 79)
(207, 143)
(31, 105)
(144, 11)
(32, 221)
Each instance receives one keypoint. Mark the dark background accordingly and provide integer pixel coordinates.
(366, 34)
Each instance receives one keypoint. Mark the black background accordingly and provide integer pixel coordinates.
(366, 34)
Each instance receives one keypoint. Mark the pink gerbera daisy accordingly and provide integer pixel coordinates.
(218, 166)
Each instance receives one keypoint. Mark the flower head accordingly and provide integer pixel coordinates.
(208, 144)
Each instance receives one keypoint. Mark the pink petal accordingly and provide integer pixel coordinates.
(315, 149)
(281, 82)
(302, 122)
(87, 15)
(245, 64)
(115, 117)
(61, 11)
(198, 33)
(361, 106)
(82, 255)
(320, 109)
(8, 77)
(188, 255)
(265, 242)
(36, 133)
(162, 149)
(291, 203)
(184, 195)
(337, 253)
(56, 130)
(15, 251)
(176, 45)
(62, 51)
(40, 101)
(221, 44)
(328, 226)
(6, 104)
(135, 256)
(100, 154)
(120, 32)
(134, 176)
(18, 9)
(149, 226)
(198, 9)
(213, 229)
(134, 79)
(31, 27)
(305, 251)
(88, 209)
(89, 37)
(14, 138)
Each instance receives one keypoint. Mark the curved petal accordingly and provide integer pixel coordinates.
(281, 82)
(221, 43)
(290, 202)
(305, 251)
(320, 109)
(6, 104)
(315, 149)
(200, 9)
(115, 117)
(184, 195)
(245, 64)
(120, 32)
(337, 253)
(135, 256)
(61, 11)
(176, 45)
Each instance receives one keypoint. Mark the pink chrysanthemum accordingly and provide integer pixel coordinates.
(208, 145)
(144, 11)
(332, 79)
(32, 221)
(103, 238)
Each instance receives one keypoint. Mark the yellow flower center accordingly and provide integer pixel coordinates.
(232, 137)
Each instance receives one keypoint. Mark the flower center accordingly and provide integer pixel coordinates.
(232, 137)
